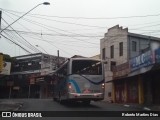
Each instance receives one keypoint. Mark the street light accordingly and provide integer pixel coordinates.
(44, 3)
(41, 48)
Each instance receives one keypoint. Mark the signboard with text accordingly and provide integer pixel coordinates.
(143, 60)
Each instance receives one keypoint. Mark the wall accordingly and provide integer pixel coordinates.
(114, 36)
(144, 43)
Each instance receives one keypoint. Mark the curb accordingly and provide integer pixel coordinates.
(19, 107)
(11, 106)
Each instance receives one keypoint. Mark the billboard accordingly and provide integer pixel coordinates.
(6, 68)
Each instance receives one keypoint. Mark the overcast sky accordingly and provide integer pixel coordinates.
(73, 26)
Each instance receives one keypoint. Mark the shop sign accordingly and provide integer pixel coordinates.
(143, 60)
(157, 54)
(6, 68)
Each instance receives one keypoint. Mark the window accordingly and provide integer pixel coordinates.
(121, 49)
(86, 67)
(134, 46)
(113, 65)
(112, 51)
(103, 53)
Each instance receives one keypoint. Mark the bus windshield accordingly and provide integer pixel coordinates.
(86, 67)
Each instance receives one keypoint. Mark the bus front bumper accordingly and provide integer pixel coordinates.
(93, 96)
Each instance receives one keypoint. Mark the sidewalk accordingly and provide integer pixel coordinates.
(142, 107)
(10, 106)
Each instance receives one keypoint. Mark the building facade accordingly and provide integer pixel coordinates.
(24, 80)
(120, 48)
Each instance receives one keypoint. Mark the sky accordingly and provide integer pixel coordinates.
(74, 27)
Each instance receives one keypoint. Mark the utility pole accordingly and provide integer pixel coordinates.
(0, 19)
(58, 57)
(44, 3)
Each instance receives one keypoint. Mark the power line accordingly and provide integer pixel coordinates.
(75, 33)
(85, 25)
(16, 44)
(62, 50)
(65, 22)
(56, 46)
(68, 22)
(51, 43)
(93, 36)
(30, 45)
(120, 17)
(62, 42)
(47, 27)
(91, 26)
(50, 34)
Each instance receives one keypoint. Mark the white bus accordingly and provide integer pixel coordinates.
(79, 79)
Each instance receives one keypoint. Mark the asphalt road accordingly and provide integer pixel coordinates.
(50, 105)
(40, 105)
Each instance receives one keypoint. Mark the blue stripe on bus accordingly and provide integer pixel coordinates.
(75, 85)
(96, 83)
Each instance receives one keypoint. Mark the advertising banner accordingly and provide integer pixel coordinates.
(157, 54)
(143, 60)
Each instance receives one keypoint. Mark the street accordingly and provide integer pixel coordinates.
(50, 105)
(40, 105)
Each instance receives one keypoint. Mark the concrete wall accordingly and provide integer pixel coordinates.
(114, 36)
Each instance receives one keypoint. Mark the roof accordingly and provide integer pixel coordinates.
(96, 56)
(144, 36)
(77, 56)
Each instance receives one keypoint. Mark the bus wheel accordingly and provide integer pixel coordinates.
(87, 102)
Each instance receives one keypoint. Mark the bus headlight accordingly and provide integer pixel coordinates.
(103, 85)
